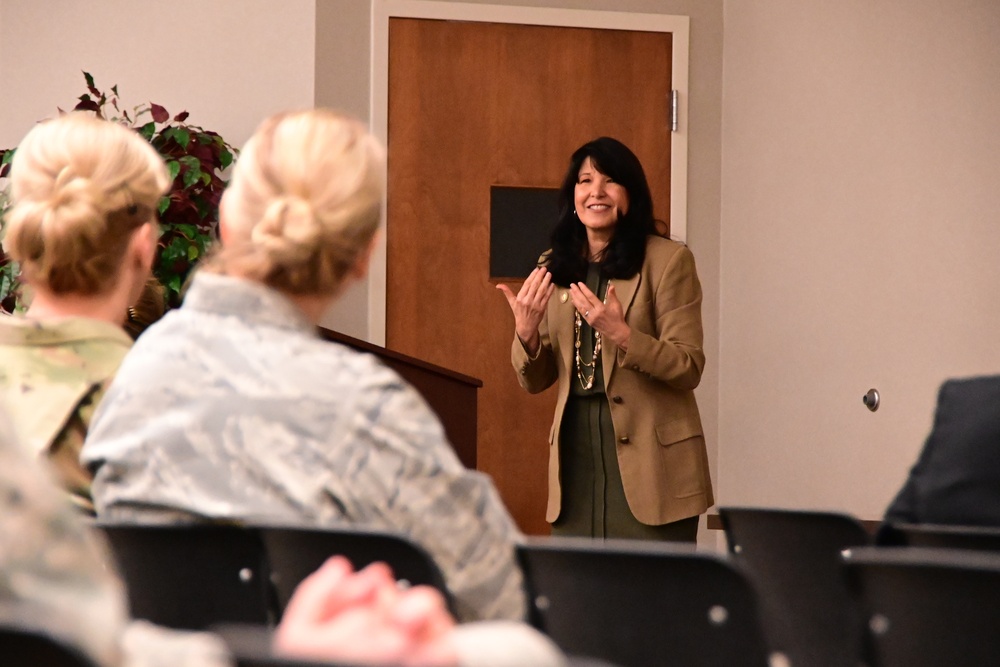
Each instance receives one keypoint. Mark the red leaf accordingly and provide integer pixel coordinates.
(90, 84)
(181, 117)
(203, 153)
(86, 105)
(160, 114)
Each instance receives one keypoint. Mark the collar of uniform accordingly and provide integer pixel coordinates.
(248, 300)
(15, 329)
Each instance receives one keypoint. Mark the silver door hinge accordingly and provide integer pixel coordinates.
(674, 110)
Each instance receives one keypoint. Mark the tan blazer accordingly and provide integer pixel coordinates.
(661, 449)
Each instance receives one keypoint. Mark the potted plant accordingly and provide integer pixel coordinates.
(189, 214)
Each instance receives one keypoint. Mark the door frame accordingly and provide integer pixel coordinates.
(384, 10)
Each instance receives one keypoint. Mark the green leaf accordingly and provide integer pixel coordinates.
(8, 155)
(192, 252)
(204, 209)
(147, 131)
(191, 162)
(174, 167)
(189, 231)
(226, 158)
(191, 176)
(170, 254)
(174, 284)
(206, 178)
(163, 205)
(178, 134)
(89, 78)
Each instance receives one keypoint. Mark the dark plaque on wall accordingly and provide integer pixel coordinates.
(521, 222)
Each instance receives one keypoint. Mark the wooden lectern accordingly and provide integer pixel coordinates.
(451, 395)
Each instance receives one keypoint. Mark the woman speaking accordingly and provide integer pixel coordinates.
(613, 314)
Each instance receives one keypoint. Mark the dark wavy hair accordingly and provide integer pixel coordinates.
(567, 260)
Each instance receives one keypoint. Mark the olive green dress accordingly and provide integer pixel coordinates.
(593, 498)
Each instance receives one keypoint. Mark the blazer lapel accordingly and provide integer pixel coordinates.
(625, 290)
(561, 325)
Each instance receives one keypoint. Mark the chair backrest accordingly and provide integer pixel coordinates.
(638, 604)
(927, 606)
(192, 576)
(793, 559)
(29, 647)
(295, 552)
(251, 646)
(977, 538)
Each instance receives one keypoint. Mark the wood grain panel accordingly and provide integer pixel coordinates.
(473, 105)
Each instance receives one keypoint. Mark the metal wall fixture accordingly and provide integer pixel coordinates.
(871, 399)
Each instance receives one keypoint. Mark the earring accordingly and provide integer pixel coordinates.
(574, 211)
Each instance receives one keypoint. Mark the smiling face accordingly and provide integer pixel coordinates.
(599, 201)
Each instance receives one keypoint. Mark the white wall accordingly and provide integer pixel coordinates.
(343, 82)
(860, 237)
(229, 63)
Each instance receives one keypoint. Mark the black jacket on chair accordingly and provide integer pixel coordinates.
(956, 480)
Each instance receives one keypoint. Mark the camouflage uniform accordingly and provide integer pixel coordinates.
(55, 576)
(52, 375)
(232, 408)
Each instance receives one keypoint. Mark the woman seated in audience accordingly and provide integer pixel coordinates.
(83, 227)
(232, 408)
(55, 578)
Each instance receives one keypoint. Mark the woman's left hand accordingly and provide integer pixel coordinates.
(607, 317)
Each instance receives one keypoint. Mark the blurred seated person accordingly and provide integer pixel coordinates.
(148, 308)
(956, 480)
(55, 577)
(232, 408)
(83, 227)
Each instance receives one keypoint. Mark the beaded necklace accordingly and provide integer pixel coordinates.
(581, 365)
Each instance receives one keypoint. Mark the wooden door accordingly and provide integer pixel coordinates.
(475, 105)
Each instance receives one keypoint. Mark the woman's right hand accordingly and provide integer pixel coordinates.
(529, 306)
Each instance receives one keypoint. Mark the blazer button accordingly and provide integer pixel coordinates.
(623, 439)
(616, 399)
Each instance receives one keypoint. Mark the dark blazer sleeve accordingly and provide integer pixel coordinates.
(903, 508)
(956, 479)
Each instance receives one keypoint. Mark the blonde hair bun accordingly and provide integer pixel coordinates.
(68, 177)
(303, 203)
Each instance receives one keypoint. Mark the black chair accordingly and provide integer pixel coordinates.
(21, 646)
(250, 646)
(192, 576)
(976, 538)
(793, 559)
(638, 604)
(927, 606)
(295, 552)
